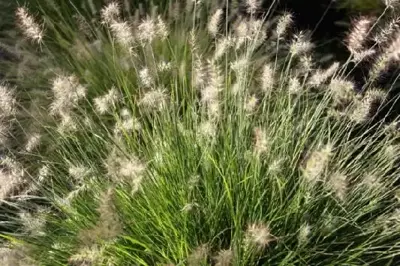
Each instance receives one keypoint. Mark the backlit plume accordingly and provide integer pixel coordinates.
(30, 27)
(358, 35)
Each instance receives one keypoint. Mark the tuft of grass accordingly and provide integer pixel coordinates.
(193, 137)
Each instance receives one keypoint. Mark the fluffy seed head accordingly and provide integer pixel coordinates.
(105, 103)
(10, 181)
(208, 130)
(251, 104)
(267, 78)
(316, 163)
(283, 25)
(253, 6)
(145, 77)
(161, 29)
(342, 90)
(294, 86)
(300, 45)
(33, 141)
(7, 101)
(78, 171)
(386, 32)
(258, 235)
(108, 225)
(261, 142)
(123, 33)
(358, 34)
(67, 93)
(154, 100)
(339, 184)
(30, 27)
(320, 76)
(222, 46)
(304, 234)
(110, 13)
(198, 256)
(362, 108)
(213, 24)
(224, 258)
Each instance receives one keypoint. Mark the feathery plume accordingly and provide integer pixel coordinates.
(304, 234)
(253, 6)
(338, 183)
(154, 100)
(224, 258)
(68, 124)
(67, 93)
(108, 225)
(208, 130)
(371, 182)
(145, 77)
(267, 78)
(78, 171)
(283, 24)
(358, 34)
(33, 224)
(321, 76)
(294, 86)
(122, 169)
(198, 256)
(251, 104)
(342, 90)
(363, 108)
(300, 45)
(30, 27)
(7, 101)
(147, 31)
(127, 124)
(33, 141)
(11, 180)
(214, 23)
(386, 32)
(261, 142)
(161, 29)
(87, 255)
(123, 33)
(258, 235)
(110, 13)
(316, 163)
(222, 46)
(105, 103)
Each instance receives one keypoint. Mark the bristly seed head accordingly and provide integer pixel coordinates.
(214, 23)
(253, 6)
(358, 34)
(316, 163)
(258, 235)
(284, 24)
(110, 13)
(339, 184)
(27, 23)
(224, 258)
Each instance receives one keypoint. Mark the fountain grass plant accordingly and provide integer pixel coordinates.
(179, 139)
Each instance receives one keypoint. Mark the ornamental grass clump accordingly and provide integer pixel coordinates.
(192, 140)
